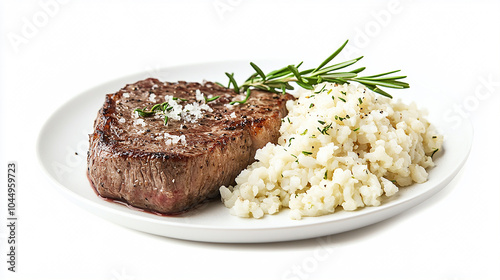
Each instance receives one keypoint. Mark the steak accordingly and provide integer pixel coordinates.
(170, 166)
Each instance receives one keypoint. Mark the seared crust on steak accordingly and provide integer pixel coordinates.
(137, 164)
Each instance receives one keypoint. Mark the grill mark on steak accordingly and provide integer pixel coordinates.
(131, 163)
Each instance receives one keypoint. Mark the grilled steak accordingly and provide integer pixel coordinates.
(169, 168)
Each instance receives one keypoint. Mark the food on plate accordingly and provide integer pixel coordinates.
(341, 145)
(166, 147)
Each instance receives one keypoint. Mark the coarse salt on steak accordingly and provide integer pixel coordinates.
(171, 168)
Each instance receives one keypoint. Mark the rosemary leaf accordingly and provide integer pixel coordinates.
(383, 74)
(304, 85)
(338, 66)
(233, 81)
(143, 112)
(242, 101)
(258, 70)
(211, 99)
(331, 57)
(295, 72)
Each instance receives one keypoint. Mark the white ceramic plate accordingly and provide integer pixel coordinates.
(63, 144)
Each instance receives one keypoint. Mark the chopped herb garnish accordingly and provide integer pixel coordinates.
(290, 141)
(339, 118)
(321, 122)
(304, 133)
(321, 90)
(143, 112)
(360, 101)
(342, 99)
(328, 126)
(307, 153)
(325, 129)
(433, 152)
(311, 105)
(211, 99)
(343, 92)
(356, 129)
(156, 107)
(326, 175)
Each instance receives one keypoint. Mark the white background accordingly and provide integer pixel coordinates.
(51, 52)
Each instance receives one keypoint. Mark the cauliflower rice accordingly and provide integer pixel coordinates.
(340, 145)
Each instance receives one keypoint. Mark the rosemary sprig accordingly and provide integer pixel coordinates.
(278, 81)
